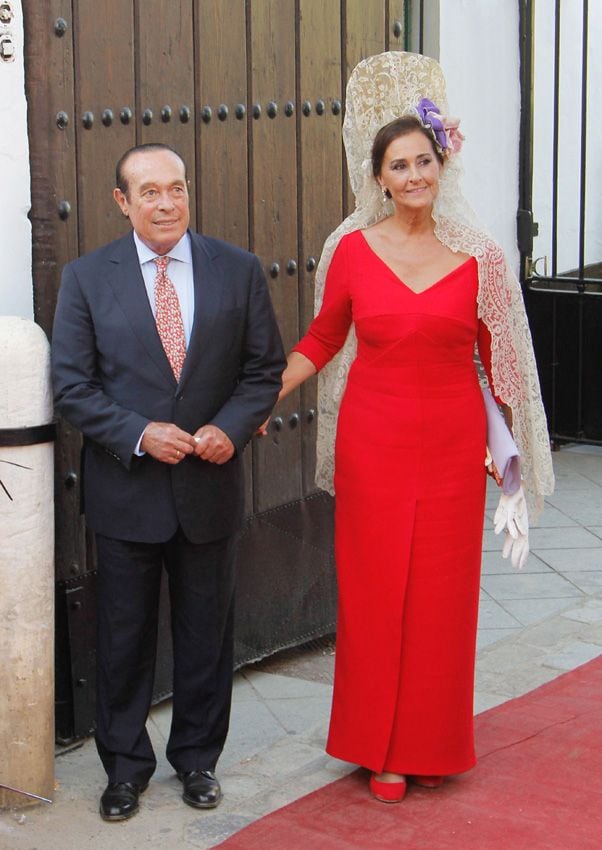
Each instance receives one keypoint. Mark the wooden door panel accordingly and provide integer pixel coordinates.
(277, 473)
(365, 31)
(320, 175)
(222, 184)
(222, 194)
(54, 210)
(52, 131)
(104, 87)
(164, 58)
(395, 37)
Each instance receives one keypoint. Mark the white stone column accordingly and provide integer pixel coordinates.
(26, 568)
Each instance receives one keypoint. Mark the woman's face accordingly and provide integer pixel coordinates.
(410, 171)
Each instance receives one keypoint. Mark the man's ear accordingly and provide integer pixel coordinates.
(121, 201)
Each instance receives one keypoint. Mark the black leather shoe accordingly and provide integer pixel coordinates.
(201, 789)
(120, 800)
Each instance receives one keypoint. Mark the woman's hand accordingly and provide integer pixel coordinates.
(298, 369)
(262, 431)
(491, 468)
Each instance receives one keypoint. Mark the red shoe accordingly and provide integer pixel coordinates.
(387, 792)
(427, 781)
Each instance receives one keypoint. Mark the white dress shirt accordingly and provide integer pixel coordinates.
(180, 272)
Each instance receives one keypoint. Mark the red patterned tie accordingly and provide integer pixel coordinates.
(169, 317)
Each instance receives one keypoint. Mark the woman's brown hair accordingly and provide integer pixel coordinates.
(396, 128)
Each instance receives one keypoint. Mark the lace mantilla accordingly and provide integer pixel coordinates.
(380, 89)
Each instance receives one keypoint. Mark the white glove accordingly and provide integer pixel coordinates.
(511, 516)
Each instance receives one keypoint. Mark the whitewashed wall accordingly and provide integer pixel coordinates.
(16, 287)
(479, 54)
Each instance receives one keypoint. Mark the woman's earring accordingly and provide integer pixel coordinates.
(386, 194)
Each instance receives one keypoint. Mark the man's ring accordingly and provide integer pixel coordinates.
(177, 453)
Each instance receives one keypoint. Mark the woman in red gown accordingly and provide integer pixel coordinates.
(409, 477)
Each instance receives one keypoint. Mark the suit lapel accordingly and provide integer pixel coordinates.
(127, 283)
(207, 301)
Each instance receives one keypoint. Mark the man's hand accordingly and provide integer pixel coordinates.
(166, 442)
(213, 445)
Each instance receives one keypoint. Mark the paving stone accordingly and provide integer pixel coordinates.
(501, 658)
(242, 687)
(485, 636)
(551, 636)
(552, 517)
(295, 715)
(529, 611)
(214, 829)
(581, 449)
(584, 506)
(589, 583)
(574, 656)
(270, 686)
(571, 481)
(521, 585)
(567, 560)
(253, 727)
(493, 564)
(520, 681)
(493, 616)
(589, 612)
(583, 460)
(492, 542)
(561, 538)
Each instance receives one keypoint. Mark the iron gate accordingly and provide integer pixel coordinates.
(561, 253)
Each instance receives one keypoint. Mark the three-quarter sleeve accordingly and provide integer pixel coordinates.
(328, 331)
(484, 344)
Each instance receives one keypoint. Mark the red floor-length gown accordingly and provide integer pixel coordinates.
(410, 492)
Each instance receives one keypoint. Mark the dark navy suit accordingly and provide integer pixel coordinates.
(111, 378)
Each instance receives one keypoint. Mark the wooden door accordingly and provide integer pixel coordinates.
(252, 96)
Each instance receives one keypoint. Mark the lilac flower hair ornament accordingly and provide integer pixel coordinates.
(445, 130)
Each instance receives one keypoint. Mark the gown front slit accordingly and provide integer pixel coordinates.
(409, 507)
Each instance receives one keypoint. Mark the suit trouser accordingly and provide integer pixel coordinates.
(201, 589)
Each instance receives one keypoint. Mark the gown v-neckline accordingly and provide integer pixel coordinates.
(402, 282)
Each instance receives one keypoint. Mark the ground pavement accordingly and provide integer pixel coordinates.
(533, 625)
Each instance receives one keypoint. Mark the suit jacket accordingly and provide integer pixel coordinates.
(112, 377)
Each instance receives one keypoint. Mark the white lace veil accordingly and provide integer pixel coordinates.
(380, 89)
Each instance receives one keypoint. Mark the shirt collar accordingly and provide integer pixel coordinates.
(181, 250)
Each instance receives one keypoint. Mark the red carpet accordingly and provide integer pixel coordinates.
(537, 786)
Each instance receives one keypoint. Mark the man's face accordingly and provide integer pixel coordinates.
(157, 198)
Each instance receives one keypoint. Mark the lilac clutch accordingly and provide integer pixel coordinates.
(501, 445)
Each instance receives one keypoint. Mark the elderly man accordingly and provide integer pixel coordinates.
(167, 357)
